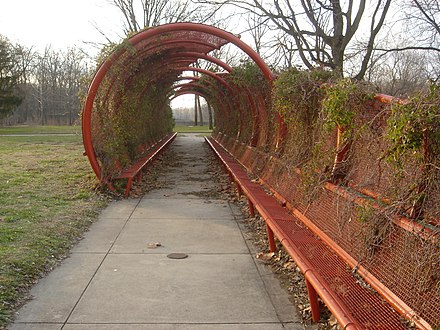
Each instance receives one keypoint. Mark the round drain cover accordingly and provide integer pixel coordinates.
(177, 256)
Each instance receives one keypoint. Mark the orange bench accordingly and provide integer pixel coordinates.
(329, 273)
(134, 170)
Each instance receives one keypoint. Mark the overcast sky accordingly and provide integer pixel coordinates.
(59, 23)
(62, 24)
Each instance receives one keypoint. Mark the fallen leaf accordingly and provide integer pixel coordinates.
(307, 309)
(289, 265)
(332, 320)
(265, 256)
(153, 245)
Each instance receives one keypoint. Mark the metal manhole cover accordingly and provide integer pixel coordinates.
(177, 256)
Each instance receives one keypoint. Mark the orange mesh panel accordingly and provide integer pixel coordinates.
(228, 142)
(246, 156)
(233, 148)
(221, 138)
(238, 149)
(365, 304)
(404, 262)
(410, 267)
(282, 179)
(259, 161)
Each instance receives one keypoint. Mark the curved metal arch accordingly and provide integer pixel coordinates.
(193, 84)
(211, 59)
(136, 39)
(233, 89)
(189, 87)
(189, 92)
(202, 71)
(249, 96)
(167, 28)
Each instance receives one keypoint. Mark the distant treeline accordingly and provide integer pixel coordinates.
(50, 85)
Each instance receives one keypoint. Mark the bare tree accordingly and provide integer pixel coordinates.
(73, 69)
(283, 52)
(196, 122)
(128, 12)
(426, 16)
(147, 13)
(210, 117)
(24, 59)
(420, 21)
(421, 25)
(199, 106)
(257, 27)
(9, 79)
(400, 73)
(322, 30)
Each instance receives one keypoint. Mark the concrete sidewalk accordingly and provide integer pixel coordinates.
(116, 278)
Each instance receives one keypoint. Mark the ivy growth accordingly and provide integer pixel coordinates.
(342, 101)
(414, 127)
(126, 103)
(298, 94)
(248, 75)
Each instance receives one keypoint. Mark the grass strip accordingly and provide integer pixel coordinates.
(192, 129)
(28, 129)
(47, 201)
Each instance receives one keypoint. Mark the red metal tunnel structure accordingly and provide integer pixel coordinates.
(127, 112)
(127, 105)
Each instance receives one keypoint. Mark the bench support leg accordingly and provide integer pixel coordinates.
(239, 190)
(128, 187)
(314, 303)
(111, 187)
(251, 208)
(271, 239)
(138, 176)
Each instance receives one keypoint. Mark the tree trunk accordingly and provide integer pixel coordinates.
(200, 111)
(42, 110)
(195, 111)
(211, 126)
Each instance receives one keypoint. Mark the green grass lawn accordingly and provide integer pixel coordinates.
(47, 201)
(25, 129)
(20, 130)
(192, 129)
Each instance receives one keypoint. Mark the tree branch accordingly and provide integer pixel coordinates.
(430, 20)
(374, 30)
(407, 48)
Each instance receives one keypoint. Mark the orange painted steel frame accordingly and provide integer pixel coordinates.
(386, 293)
(136, 172)
(314, 286)
(137, 39)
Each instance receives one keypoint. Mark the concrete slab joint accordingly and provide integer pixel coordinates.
(113, 280)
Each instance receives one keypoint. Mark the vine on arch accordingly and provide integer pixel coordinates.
(413, 131)
(122, 119)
